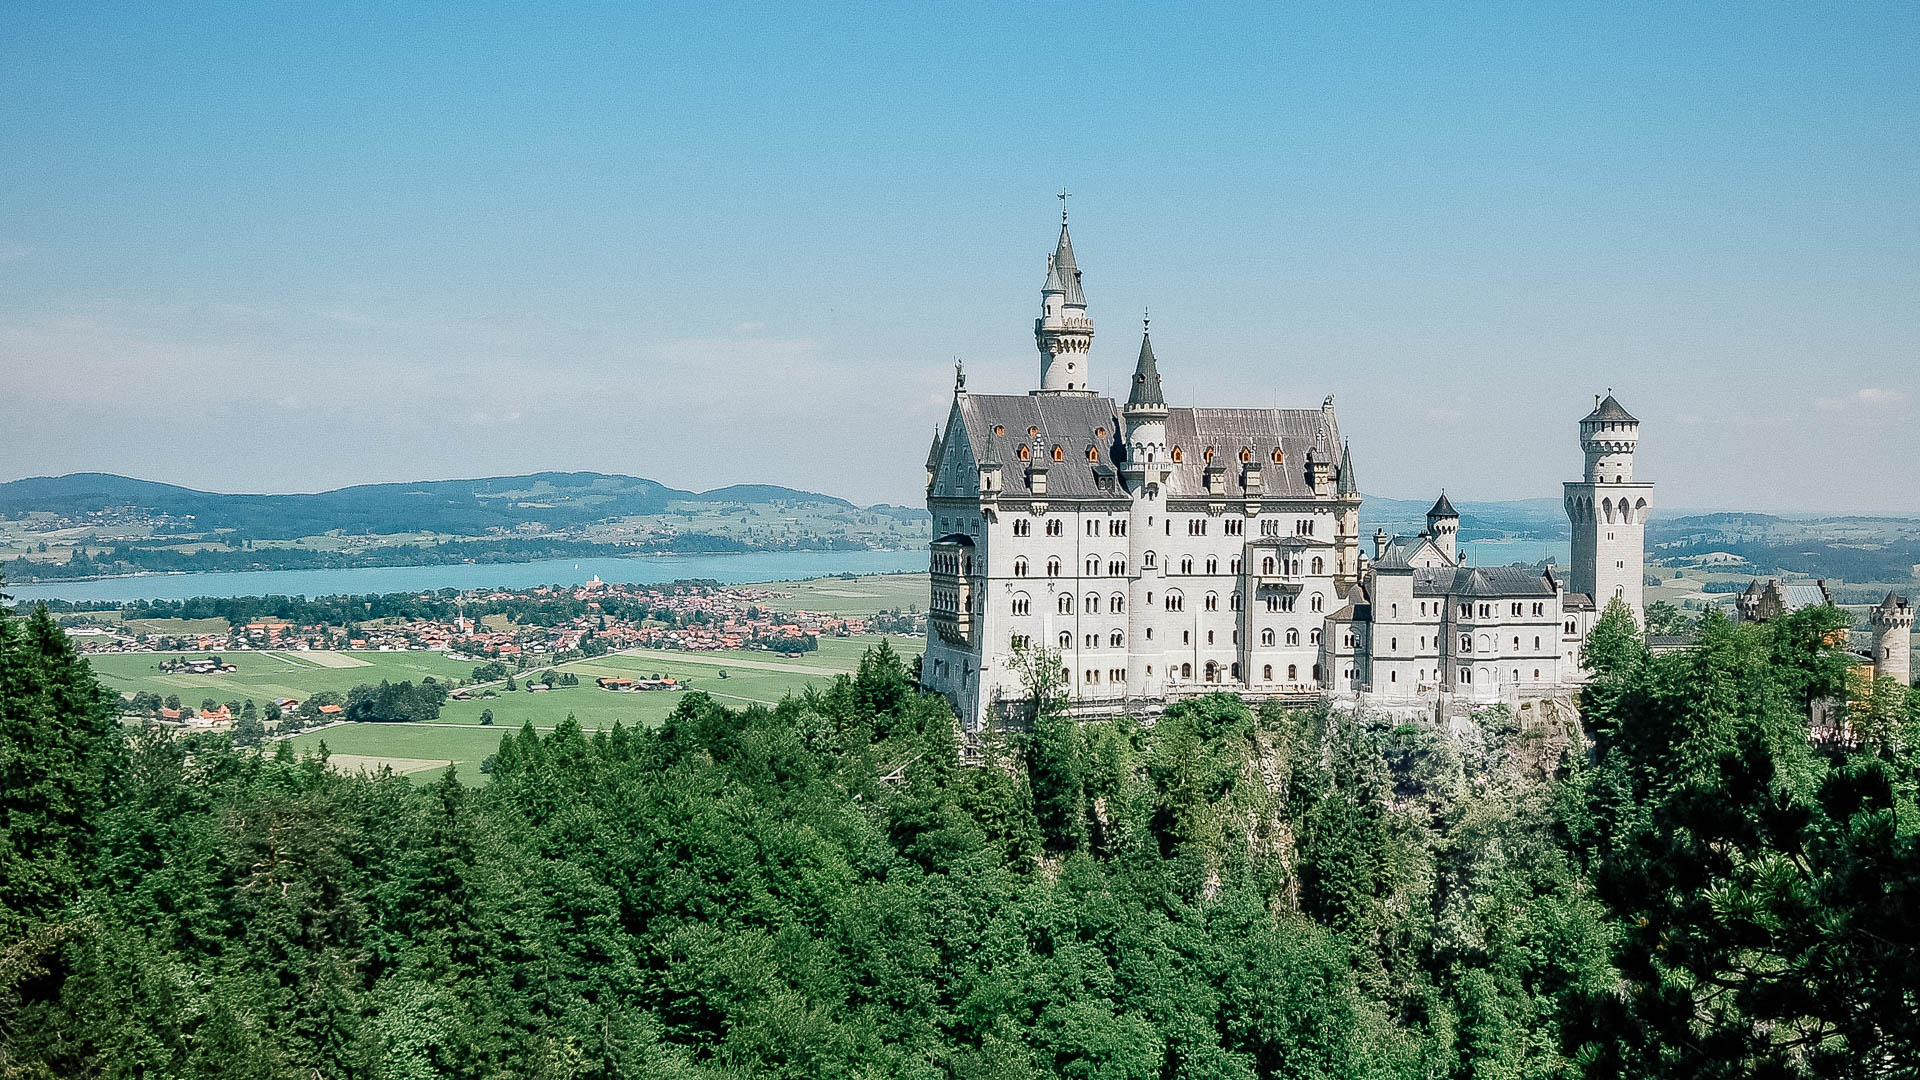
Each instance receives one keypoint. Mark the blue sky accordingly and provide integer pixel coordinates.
(287, 249)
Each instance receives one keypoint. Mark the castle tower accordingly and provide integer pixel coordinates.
(1443, 524)
(1145, 474)
(1063, 332)
(1893, 640)
(1608, 510)
(1347, 524)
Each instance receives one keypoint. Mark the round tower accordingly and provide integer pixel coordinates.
(1063, 331)
(1607, 509)
(1144, 473)
(1893, 640)
(1443, 524)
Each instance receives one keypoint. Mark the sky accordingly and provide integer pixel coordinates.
(292, 247)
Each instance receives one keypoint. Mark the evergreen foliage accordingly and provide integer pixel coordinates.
(825, 888)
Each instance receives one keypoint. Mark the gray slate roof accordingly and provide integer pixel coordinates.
(1611, 411)
(1146, 377)
(1442, 508)
(1394, 555)
(1070, 422)
(1063, 275)
(1481, 582)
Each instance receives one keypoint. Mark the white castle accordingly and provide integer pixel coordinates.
(1165, 552)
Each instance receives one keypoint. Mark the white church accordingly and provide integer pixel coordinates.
(1165, 552)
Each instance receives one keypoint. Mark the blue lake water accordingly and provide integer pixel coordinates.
(730, 569)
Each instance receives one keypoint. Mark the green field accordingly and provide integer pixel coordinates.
(264, 676)
(854, 596)
(422, 750)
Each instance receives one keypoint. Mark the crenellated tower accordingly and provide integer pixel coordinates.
(1893, 639)
(1063, 331)
(1608, 510)
(1443, 524)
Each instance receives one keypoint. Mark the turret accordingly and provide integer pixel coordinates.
(1607, 509)
(1146, 409)
(1892, 625)
(1609, 434)
(1443, 524)
(1063, 331)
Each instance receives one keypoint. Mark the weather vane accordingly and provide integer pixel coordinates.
(1064, 193)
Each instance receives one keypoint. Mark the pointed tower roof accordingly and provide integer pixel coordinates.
(1146, 392)
(933, 453)
(1892, 602)
(1610, 410)
(1442, 509)
(1347, 485)
(1063, 275)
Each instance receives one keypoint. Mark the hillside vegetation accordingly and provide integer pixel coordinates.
(823, 888)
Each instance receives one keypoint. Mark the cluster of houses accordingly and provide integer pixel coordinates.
(200, 665)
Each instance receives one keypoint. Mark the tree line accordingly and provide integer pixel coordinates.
(1692, 886)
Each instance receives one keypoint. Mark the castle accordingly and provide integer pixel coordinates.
(1164, 552)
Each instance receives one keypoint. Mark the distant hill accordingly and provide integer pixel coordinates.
(457, 507)
(1542, 519)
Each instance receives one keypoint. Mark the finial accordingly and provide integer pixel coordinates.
(1064, 194)
(1146, 320)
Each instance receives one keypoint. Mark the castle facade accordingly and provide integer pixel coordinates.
(1162, 552)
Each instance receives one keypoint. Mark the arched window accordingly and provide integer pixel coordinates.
(1059, 452)
(1233, 565)
(1313, 638)
(1176, 602)
(1019, 568)
(1025, 453)
(1146, 561)
(1212, 602)
(1064, 604)
(1233, 671)
(1213, 566)
(1053, 567)
(1246, 454)
(1266, 672)
(1319, 565)
(1293, 672)
(1066, 640)
(1186, 671)
(1093, 603)
(1022, 603)
(1233, 601)
(1117, 568)
(1093, 453)
(1054, 528)
(1318, 602)
(1093, 566)
(1213, 671)
(1116, 603)
(1116, 639)
(1178, 457)
(1266, 637)
(1186, 565)
(1293, 637)
(1266, 566)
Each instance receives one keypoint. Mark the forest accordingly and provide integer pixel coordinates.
(1689, 882)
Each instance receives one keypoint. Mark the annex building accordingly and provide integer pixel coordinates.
(1162, 552)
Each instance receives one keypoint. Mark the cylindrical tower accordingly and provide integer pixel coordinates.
(1063, 331)
(1608, 509)
(1893, 640)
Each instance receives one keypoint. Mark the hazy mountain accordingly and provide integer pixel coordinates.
(458, 507)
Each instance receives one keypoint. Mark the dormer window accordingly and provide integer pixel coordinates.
(999, 429)
(1207, 455)
(1278, 456)
(1246, 454)
(1032, 431)
(1099, 433)
(1026, 454)
(1093, 453)
(1178, 457)
(1059, 452)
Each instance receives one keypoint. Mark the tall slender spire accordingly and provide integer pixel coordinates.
(1063, 331)
(1348, 485)
(1062, 267)
(1146, 392)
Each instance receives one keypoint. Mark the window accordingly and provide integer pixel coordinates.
(1020, 567)
(1318, 602)
(1466, 642)
(1186, 637)
(1209, 637)
(1093, 676)
(1570, 631)
(1346, 640)
(1147, 561)
(1093, 527)
(1093, 641)
(1064, 604)
(1466, 611)
(1233, 565)
(1213, 566)
(1116, 603)
(1319, 565)
(1266, 672)
(1117, 568)
(1053, 567)
(1212, 602)
(1197, 527)
(1019, 642)
(1186, 565)
(1313, 638)
(1536, 674)
(1233, 601)
(1093, 604)
(1176, 602)
(1054, 528)
(1059, 452)
(1539, 609)
(1116, 639)
(1266, 566)
(1233, 671)
(1266, 637)
(1118, 675)
(1486, 611)
(1536, 643)
(1293, 672)
(1515, 611)
(1025, 453)
(1186, 671)
(1303, 527)
(1278, 456)
(1393, 644)
(1293, 637)
(1213, 669)
(1066, 640)
(1093, 566)
(1269, 528)
(1178, 457)
(1022, 604)
(1023, 527)
(1117, 527)
(1093, 453)
(1233, 526)
(1273, 603)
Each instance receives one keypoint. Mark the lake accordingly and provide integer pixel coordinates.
(729, 569)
